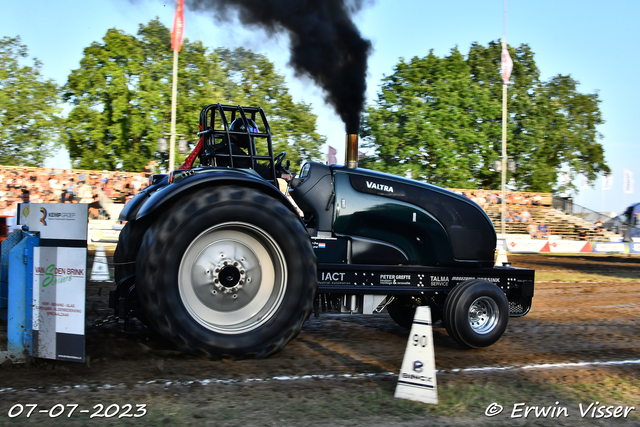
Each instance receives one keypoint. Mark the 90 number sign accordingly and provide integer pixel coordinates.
(420, 340)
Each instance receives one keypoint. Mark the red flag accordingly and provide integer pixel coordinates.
(332, 156)
(507, 65)
(178, 26)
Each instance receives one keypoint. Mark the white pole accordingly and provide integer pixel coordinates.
(504, 154)
(602, 206)
(174, 98)
(504, 129)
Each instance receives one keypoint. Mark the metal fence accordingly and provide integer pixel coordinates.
(618, 224)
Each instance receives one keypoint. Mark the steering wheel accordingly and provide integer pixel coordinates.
(278, 162)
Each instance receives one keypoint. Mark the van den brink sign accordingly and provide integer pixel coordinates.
(59, 278)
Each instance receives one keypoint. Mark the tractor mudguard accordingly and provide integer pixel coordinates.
(130, 210)
(187, 181)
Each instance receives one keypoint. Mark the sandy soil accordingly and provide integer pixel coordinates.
(569, 322)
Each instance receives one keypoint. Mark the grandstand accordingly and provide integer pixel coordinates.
(562, 221)
(566, 226)
(114, 188)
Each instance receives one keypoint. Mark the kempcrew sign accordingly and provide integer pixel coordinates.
(59, 278)
(66, 221)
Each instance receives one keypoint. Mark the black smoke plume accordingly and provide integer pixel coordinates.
(325, 43)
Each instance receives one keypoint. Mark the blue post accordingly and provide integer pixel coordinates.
(32, 242)
(6, 246)
(19, 310)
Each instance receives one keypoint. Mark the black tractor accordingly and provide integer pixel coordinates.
(222, 263)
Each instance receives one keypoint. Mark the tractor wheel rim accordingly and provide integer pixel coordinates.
(483, 315)
(232, 278)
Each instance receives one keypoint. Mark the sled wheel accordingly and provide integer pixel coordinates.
(121, 269)
(124, 259)
(227, 272)
(476, 313)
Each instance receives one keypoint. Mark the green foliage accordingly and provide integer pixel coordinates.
(121, 97)
(29, 109)
(440, 120)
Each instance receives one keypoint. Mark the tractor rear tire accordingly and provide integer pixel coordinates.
(227, 272)
(124, 257)
(402, 311)
(476, 313)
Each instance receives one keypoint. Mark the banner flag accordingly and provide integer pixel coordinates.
(607, 182)
(331, 157)
(178, 26)
(584, 182)
(628, 182)
(507, 65)
(564, 178)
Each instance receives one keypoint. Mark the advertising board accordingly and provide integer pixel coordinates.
(59, 278)
(64, 221)
(609, 247)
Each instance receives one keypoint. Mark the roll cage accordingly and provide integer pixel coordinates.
(215, 132)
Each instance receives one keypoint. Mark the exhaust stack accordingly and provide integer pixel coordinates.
(351, 152)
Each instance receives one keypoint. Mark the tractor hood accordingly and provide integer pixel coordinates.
(471, 232)
(433, 226)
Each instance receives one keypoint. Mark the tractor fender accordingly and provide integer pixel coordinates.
(196, 179)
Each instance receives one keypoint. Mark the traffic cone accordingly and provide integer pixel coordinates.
(502, 258)
(100, 269)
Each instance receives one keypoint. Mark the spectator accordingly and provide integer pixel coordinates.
(518, 216)
(581, 232)
(508, 216)
(517, 199)
(481, 200)
(96, 209)
(533, 230)
(525, 215)
(85, 193)
(495, 198)
(543, 230)
(70, 192)
(598, 226)
(136, 182)
(128, 193)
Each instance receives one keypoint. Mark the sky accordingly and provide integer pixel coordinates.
(595, 42)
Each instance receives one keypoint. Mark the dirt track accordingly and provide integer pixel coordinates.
(569, 322)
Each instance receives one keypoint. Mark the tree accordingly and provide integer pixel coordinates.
(121, 97)
(29, 108)
(440, 120)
